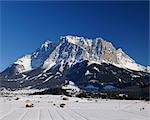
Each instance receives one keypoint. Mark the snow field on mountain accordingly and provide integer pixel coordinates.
(74, 109)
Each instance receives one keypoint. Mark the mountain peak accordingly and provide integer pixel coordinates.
(83, 40)
(71, 39)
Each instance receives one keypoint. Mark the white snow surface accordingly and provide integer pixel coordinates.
(96, 69)
(87, 72)
(71, 86)
(25, 61)
(96, 109)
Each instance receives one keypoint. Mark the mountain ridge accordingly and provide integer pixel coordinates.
(87, 45)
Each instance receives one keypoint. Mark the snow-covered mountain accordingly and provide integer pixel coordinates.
(73, 49)
(56, 61)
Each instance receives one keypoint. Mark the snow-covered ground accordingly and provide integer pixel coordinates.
(47, 107)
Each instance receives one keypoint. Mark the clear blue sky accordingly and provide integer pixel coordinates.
(26, 25)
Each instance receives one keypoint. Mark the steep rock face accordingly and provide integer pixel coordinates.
(42, 54)
(109, 53)
(73, 49)
(124, 61)
(65, 52)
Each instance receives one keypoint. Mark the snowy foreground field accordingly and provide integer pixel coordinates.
(47, 107)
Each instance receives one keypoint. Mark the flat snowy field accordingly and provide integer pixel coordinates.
(75, 109)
